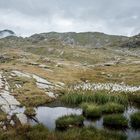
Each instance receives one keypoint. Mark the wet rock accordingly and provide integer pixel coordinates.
(4, 59)
(1, 123)
(109, 64)
(44, 66)
(51, 94)
(8, 117)
(4, 127)
(9, 98)
(20, 74)
(3, 101)
(22, 118)
(61, 84)
(12, 123)
(41, 80)
(6, 109)
(33, 63)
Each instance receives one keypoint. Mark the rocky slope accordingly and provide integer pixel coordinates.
(133, 42)
(88, 39)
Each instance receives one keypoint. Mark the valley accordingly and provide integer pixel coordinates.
(52, 75)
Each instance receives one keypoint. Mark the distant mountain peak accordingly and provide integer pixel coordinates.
(6, 33)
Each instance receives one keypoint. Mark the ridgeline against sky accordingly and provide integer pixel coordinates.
(27, 17)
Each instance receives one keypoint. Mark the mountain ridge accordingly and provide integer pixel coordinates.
(82, 39)
(6, 33)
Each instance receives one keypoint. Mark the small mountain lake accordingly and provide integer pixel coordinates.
(48, 116)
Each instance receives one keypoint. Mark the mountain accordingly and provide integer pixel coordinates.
(6, 33)
(133, 42)
(86, 39)
(57, 40)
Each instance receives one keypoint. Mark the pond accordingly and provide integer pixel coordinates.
(48, 116)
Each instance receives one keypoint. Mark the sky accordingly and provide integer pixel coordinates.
(27, 17)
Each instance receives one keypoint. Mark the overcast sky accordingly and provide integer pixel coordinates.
(26, 17)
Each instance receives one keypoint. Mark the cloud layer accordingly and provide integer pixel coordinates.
(27, 17)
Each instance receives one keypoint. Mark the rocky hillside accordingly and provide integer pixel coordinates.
(6, 33)
(59, 40)
(133, 42)
(87, 39)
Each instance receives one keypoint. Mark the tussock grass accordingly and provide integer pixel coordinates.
(69, 121)
(134, 97)
(91, 110)
(30, 111)
(115, 121)
(113, 108)
(99, 98)
(135, 120)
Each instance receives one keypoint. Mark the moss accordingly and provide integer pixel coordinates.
(91, 110)
(115, 121)
(30, 111)
(135, 120)
(112, 108)
(69, 121)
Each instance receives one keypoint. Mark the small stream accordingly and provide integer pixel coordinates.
(48, 116)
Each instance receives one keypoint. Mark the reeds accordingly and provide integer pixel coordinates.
(75, 98)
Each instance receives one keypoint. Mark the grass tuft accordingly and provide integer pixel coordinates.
(115, 121)
(30, 111)
(111, 107)
(135, 120)
(91, 110)
(75, 98)
(69, 121)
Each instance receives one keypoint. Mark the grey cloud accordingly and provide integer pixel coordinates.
(110, 16)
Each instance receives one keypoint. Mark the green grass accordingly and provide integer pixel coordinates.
(40, 132)
(110, 108)
(30, 111)
(91, 110)
(89, 134)
(115, 121)
(75, 98)
(134, 97)
(135, 120)
(69, 121)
